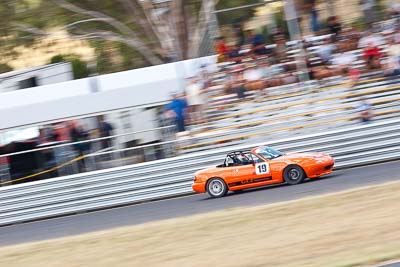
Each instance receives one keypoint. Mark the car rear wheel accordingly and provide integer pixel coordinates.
(216, 187)
(293, 175)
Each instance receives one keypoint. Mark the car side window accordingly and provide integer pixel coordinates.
(244, 159)
(228, 161)
(256, 159)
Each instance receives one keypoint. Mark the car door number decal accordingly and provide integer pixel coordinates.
(262, 168)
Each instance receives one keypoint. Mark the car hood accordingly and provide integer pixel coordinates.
(208, 170)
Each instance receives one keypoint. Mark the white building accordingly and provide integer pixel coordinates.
(37, 76)
(127, 99)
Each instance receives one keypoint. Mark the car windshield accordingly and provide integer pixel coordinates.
(268, 153)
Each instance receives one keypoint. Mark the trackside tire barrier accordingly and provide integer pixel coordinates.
(355, 146)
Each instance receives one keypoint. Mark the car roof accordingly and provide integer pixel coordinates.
(238, 152)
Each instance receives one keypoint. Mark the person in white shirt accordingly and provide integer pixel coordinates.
(343, 61)
(393, 61)
(254, 78)
(325, 51)
(370, 38)
(394, 8)
(364, 110)
(195, 99)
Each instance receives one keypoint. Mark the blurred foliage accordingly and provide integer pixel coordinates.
(111, 56)
(235, 16)
(281, 22)
(131, 59)
(45, 14)
(5, 68)
(104, 63)
(58, 59)
(359, 24)
(79, 67)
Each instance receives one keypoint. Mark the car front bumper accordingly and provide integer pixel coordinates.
(199, 187)
(322, 168)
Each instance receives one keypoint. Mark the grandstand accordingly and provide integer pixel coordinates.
(297, 109)
(293, 109)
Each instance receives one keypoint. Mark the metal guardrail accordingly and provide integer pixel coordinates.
(172, 177)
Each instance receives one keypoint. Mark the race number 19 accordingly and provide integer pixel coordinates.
(262, 168)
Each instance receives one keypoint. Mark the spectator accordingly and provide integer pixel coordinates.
(177, 109)
(254, 78)
(371, 38)
(365, 111)
(372, 54)
(257, 42)
(334, 26)
(167, 133)
(235, 55)
(280, 41)
(343, 61)
(240, 35)
(221, 48)
(394, 10)
(393, 61)
(368, 8)
(325, 51)
(238, 84)
(354, 76)
(316, 70)
(396, 35)
(44, 133)
(349, 38)
(205, 76)
(315, 27)
(271, 73)
(195, 100)
(106, 130)
(78, 134)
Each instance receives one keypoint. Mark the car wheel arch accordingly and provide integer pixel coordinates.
(215, 177)
(293, 165)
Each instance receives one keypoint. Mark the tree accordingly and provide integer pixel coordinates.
(238, 15)
(79, 67)
(5, 68)
(160, 33)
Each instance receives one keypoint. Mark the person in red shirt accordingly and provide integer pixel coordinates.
(221, 48)
(372, 55)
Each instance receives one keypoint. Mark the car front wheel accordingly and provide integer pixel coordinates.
(216, 187)
(293, 175)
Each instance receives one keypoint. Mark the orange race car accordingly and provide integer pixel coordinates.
(259, 167)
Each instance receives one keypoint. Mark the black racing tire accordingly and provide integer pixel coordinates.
(216, 187)
(293, 174)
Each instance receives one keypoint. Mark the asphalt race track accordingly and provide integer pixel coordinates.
(391, 265)
(195, 204)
